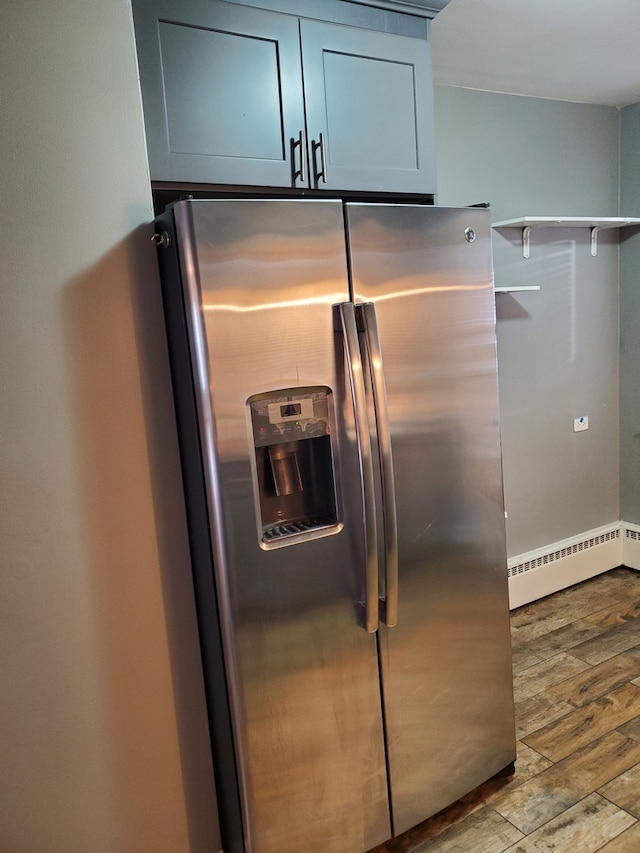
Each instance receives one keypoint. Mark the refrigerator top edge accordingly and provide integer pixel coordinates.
(374, 202)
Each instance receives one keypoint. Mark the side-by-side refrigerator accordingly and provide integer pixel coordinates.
(334, 369)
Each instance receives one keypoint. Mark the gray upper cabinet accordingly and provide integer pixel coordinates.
(369, 109)
(221, 89)
(224, 100)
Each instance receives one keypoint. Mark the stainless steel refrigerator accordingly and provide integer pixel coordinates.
(334, 368)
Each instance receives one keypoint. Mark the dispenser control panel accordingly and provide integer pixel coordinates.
(289, 418)
(290, 411)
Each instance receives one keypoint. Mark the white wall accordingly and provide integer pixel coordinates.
(104, 744)
(557, 348)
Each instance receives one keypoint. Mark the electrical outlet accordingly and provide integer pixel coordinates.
(581, 423)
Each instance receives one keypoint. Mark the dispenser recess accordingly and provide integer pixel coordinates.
(294, 479)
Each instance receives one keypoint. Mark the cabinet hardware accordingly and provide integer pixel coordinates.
(322, 174)
(299, 143)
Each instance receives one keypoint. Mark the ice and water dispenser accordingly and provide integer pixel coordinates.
(294, 476)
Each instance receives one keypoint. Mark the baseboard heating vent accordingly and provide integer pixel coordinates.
(632, 534)
(568, 551)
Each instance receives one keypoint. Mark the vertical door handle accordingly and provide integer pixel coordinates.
(367, 484)
(367, 314)
(322, 174)
(301, 172)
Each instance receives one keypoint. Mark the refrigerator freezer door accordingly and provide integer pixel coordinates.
(446, 665)
(261, 279)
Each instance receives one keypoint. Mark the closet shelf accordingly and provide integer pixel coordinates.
(596, 224)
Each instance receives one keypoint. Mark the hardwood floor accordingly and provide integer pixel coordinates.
(576, 662)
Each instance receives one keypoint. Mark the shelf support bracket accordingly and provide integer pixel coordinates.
(594, 240)
(526, 231)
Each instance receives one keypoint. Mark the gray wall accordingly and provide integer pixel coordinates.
(557, 348)
(630, 317)
(103, 738)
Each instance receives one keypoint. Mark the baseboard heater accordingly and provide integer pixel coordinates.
(534, 574)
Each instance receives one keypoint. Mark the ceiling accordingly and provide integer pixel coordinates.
(570, 50)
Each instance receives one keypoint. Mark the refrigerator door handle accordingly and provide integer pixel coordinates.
(367, 483)
(367, 315)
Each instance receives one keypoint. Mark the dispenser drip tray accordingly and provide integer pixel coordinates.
(292, 528)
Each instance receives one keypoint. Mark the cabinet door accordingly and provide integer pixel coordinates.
(222, 92)
(370, 96)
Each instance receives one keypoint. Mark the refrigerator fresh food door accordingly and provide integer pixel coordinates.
(446, 664)
(284, 486)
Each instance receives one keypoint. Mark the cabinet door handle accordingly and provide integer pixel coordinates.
(299, 143)
(322, 174)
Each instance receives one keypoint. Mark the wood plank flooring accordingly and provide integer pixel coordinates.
(576, 662)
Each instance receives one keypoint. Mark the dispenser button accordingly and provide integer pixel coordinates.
(292, 429)
(315, 428)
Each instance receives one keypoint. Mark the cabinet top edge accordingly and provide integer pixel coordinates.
(352, 12)
(426, 8)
